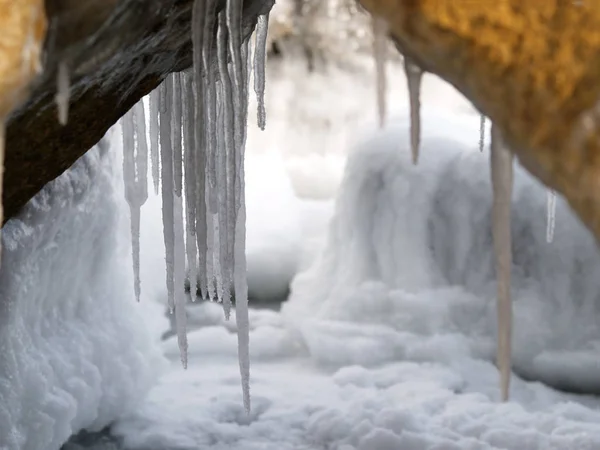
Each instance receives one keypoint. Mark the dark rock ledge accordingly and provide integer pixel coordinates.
(117, 51)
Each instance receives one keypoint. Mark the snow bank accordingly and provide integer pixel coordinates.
(300, 404)
(410, 248)
(75, 352)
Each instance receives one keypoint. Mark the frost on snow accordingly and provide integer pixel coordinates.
(414, 75)
(380, 31)
(502, 179)
(198, 129)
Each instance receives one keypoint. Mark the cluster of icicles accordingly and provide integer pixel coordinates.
(197, 139)
(501, 161)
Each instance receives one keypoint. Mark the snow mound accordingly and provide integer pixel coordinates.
(74, 352)
(410, 248)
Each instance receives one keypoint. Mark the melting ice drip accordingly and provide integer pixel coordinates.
(197, 140)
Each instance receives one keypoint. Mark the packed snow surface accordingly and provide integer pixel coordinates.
(388, 338)
(75, 351)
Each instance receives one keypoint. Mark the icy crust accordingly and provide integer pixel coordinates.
(74, 353)
(411, 247)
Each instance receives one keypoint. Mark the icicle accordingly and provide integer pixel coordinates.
(212, 263)
(154, 101)
(141, 160)
(233, 17)
(227, 235)
(240, 281)
(2, 144)
(190, 149)
(198, 111)
(135, 165)
(260, 59)
(191, 255)
(166, 160)
(241, 296)
(127, 124)
(176, 116)
(189, 146)
(380, 31)
(211, 103)
(220, 237)
(179, 278)
(63, 88)
(414, 75)
(551, 215)
(481, 132)
(502, 178)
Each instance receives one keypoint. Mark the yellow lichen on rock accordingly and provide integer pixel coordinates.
(532, 66)
(23, 29)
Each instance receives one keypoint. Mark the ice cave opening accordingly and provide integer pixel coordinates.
(339, 261)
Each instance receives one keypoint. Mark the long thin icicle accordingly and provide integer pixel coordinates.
(198, 109)
(240, 280)
(260, 61)
(551, 215)
(179, 277)
(227, 234)
(380, 32)
(141, 159)
(414, 76)
(176, 118)
(2, 151)
(166, 160)
(63, 92)
(179, 252)
(154, 156)
(135, 166)
(502, 179)
(208, 57)
(233, 18)
(190, 148)
(220, 236)
(131, 194)
(481, 132)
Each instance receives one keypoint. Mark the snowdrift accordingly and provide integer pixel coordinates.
(74, 351)
(411, 248)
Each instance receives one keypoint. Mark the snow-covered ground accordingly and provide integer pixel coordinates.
(387, 339)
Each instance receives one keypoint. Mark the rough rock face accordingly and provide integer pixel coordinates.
(117, 51)
(533, 67)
